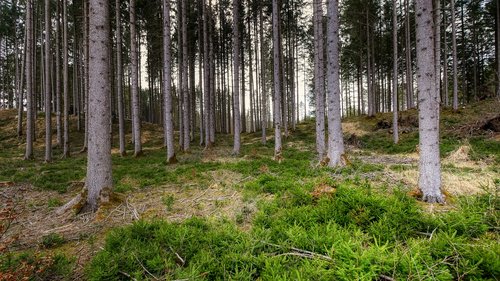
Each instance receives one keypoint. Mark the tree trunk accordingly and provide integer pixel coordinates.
(445, 59)
(58, 79)
(409, 71)
(454, 55)
(335, 137)
(48, 92)
(277, 81)
(29, 81)
(136, 118)
(66, 151)
(263, 77)
(395, 126)
(119, 80)
(437, 43)
(319, 86)
(99, 178)
(206, 76)
(236, 77)
(167, 83)
(184, 69)
(428, 108)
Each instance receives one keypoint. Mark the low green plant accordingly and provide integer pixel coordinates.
(52, 240)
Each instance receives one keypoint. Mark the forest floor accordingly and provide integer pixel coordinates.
(258, 202)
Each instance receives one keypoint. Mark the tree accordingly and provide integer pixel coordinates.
(66, 152)
(236, 77)
(58, 77)
(99, 177)
(119, 82)
(319, 78)
(277, 81)
(136, 119)
(428, 107)
(395, 126)
(454, 55)
(184, 68)
(48, 96)
(29, 81)
(335, 137)
(263, 75)
(167, 83)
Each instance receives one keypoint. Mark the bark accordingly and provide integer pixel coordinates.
(20, 87)
(335, 137)
(277, 81)
(119, 80)
(437, 43)
(409, 72)
(99, 178)
(395, 126)
(206, 77)
(167, 85)
(454, 55)
(319, 87)
(263, 77)
(136, 118)
(185, 90)
(58, 78)
(29, 81)
(48, 93)
(85, 62)
(428, 107)
(445, 61)
(497, 47)
(66, 151)
(236, 77)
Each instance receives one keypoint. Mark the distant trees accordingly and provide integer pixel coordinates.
(247, 60)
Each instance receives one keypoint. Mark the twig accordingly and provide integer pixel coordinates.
(127, 275)
(147, 271)
(385, 277)
(300, 252)
(177, 255)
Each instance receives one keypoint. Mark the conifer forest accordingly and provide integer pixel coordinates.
(249, 140)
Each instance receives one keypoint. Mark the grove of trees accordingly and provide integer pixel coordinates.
(202, 68)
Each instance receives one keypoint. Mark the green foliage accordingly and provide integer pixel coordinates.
(168, 201)
(52, 240)
(352, 233)
(31, 265)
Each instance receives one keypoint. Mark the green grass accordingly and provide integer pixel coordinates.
(365, 235)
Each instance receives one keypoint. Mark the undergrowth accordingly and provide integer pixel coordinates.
(352, 234)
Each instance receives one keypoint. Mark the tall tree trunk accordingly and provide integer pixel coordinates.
(66, 151)
(185, 90)
(263, 76)
(335, 137)
(99, 177)
(437, 43)
(20, 89)
(167, 83)
(445, 58)
(119, 80)
(428, 108)
(136, 118)
(85, 62)
(48, 92)
(206, 77)
(319, 86)
(454, 55)
(236, 77)
(409, 71)
(277, 81)
(395, 131)
(497, 47)
(29, 81)
(58, 79)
